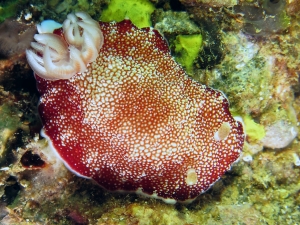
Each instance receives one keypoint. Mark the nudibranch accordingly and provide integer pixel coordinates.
(118, 109)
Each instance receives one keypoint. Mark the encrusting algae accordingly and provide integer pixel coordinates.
(259, 75)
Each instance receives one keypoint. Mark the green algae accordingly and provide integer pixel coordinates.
(243, 74)
(138, 11)
(276, 112)
(253, 130)
(9, 123)
(10, 117)
(243, 84)
(187, 48)
(8, 9)
(188, 44)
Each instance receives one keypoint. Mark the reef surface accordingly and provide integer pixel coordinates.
(248, 50)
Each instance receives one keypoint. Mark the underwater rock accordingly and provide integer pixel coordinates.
(15, 38)
(263, 19)
(211, 3)
(279, 135)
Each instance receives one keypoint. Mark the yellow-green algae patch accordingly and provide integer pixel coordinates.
(253, 130)
(138, 11)
(187, 48)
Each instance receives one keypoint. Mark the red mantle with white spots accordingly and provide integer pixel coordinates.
(134, 121)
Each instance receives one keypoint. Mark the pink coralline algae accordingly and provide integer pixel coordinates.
(133, 120)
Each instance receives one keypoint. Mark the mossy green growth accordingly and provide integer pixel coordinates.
(8, 9)
(276, 112)
(9, 117)
(187, 48)
(253, 130)
(84, 5)
(9, 123)
(138, 11)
